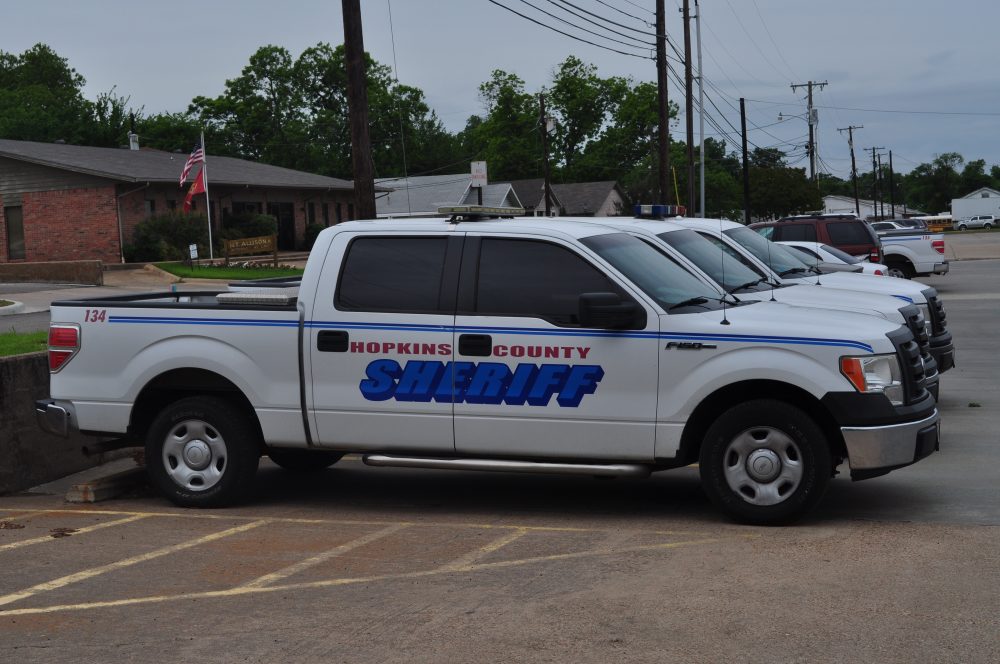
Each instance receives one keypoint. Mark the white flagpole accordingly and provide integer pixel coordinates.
(208, 202)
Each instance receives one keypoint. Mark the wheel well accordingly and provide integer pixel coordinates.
(176, 385)
(726, 397)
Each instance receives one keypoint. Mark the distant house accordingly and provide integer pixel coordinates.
(845, 205)
(421, 196)
(981, 201)
(531, 193)
(68, 202)
(591, 199)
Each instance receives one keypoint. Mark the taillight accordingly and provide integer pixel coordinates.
(879, 273)
(938, 246)
(64, 342)
(873, 256)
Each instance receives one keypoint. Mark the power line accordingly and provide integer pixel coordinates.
(639, 6)
(752, 40)
(579, 39)
(644, 45)
(622, 11)
(604, 18)
(771, 37)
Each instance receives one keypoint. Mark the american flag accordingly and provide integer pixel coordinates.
(197, 156)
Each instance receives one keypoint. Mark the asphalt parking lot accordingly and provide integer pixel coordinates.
(358, 563)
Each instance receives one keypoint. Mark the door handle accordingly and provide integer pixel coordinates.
(480, 345)
(332, 341)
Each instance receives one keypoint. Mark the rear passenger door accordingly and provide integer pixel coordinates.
(850, 236)
(380, 343)
(529, 380)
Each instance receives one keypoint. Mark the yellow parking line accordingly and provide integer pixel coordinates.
(79, 531)
(328, 583)
(127, 562)
(286, 572)
(466, 562)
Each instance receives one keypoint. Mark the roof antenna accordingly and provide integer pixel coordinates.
(722, 261)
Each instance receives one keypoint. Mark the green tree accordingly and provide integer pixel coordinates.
(41, 97)
(930, 187)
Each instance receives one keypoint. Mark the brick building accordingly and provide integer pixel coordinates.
(69, 202)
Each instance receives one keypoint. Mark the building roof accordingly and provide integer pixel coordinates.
(531, 193)
(993, 193)
(424, 194)
(585, 197)
(126, 165)
(863, 202)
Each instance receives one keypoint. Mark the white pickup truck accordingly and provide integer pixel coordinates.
(909, 253)
(501, 345)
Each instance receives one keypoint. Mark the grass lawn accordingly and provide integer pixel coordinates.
(234, 273)
(15, 343)
(5, 303)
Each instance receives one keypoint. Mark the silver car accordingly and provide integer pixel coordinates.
(986, 221)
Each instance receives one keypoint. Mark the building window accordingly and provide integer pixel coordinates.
(15, 232)
(171, 204)
(311, 213)
(985, 194)
(340, 212)
(150, 208)
(326, 214)
(350, 211)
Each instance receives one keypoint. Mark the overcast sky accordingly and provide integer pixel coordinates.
(890, 55)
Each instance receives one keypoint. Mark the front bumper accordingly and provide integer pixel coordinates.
(877, 450)
(55, 417)
(943, 351)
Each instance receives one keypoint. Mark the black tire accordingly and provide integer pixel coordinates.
(962, 227)
(903, 270)
(203, 452)
(765, 462)
(987, 227)
(303, 461)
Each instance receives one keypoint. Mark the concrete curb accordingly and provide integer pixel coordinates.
(14, 308)
(106, 487)
(166, 276)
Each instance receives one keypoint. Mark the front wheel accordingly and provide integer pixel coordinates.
(765, 462)
(203, 452)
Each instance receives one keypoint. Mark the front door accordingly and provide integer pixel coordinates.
(380, 343)
(284, 213)
(529, 380)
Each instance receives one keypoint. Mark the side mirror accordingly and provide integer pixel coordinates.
(608, 311)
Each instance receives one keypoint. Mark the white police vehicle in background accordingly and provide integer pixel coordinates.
(739, 277)
(521, 345)
(816, 252)
(787, 268)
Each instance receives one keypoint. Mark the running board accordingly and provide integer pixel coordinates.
(498, 465)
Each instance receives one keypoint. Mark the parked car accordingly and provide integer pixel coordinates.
(843, 231)
(986, 221)
(816, 251)
(913, 222)
(888, 226)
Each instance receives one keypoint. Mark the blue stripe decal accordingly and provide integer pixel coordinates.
(407, 327)
(904, 298)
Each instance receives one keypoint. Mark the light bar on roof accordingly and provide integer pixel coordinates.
(480, 211)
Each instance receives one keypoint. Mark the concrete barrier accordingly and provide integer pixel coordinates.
(28, 455)
(90, 273)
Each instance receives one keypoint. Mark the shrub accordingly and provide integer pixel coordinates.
(312, 230)
(166, 237)
(248, 224)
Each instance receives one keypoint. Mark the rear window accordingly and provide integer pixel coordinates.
(796, 232)
(392, 274)
(847, 232)
(842, 255)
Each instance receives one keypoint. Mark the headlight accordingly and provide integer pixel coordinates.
(875, 373)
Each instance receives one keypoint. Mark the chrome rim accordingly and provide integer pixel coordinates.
(896, 272)
(194, 455)
(763, 466)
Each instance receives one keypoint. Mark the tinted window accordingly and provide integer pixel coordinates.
(778, 257)
(842, 255)
(724, 268)
(658, 275)
(392, 274)
(808, 253)
(766, 231)
(845, 232)
(539, 279)
(15, 232)
(797, 232)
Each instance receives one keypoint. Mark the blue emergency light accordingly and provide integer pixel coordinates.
(658, 211)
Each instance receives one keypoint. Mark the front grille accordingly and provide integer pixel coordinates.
(917, 325)
(912, 366)
(938, 317)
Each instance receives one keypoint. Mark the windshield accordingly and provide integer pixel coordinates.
(659, 276)
(780, 259)
(721, 266)
(842, 255)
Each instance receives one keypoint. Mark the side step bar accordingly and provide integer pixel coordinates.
(498, 465)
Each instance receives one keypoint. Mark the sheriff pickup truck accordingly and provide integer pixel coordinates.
(499, 345)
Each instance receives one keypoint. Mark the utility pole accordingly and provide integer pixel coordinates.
(813, 121)
(701, 113)
(746, 165)
(881, 191)
(661, 94)
(892, 192)
(854, 168)
(357, 107)
(544, 122)
(688, 103)
(875, 182)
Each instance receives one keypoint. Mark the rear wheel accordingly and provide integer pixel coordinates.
(902, 270)
(765, 462)
(987, 226)
(303, 461)
(962, 227)
(203, 452)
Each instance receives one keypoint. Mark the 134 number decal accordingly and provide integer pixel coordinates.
(95, 316)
